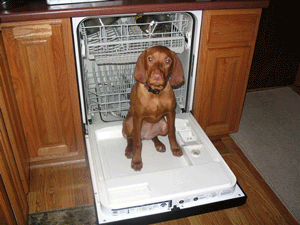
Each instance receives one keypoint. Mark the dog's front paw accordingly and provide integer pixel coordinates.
(177, 151)
(137, 165)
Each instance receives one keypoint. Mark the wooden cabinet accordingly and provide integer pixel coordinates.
(14, 160)
(226, 49)
(6, 212)
(11, 117)
(13, 200)
(41, 62)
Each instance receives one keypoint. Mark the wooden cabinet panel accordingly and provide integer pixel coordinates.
(41, 60)
(12, 120)
(7, 216)
(9, 173)
(232, 28)
(226, 49)
(220, 112)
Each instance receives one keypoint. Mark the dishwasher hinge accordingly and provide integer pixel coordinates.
(86, 130)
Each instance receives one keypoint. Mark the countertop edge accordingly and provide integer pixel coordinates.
(17, 16)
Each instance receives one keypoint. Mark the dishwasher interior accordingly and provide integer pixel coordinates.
(109, 48)
(106, 50)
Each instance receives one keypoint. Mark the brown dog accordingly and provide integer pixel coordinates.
(151, 99)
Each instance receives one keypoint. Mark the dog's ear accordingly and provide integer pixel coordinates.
(140, 68)
(177, 76)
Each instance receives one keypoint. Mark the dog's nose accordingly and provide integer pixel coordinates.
(157, 76)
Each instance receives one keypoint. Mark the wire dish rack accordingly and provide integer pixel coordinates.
(108, 91)
(125, 39)
(112, 50)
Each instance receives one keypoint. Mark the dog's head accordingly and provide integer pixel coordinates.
(154, 66)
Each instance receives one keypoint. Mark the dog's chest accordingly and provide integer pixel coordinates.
(158, 106)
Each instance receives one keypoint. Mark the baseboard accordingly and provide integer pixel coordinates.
(58, 160)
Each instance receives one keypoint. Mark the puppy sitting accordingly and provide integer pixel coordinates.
(151, 99)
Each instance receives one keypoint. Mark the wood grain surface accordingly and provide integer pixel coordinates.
(41, 62)
(226, 50)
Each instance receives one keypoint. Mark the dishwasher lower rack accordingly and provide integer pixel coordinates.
(115, 40)
(108, 87)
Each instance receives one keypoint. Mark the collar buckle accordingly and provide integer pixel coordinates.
(154, 91)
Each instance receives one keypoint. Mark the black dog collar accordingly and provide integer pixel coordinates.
(154, 91)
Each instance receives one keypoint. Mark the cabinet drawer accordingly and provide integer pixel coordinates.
(233, 26)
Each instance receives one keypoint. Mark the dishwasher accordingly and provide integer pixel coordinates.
(106, 50)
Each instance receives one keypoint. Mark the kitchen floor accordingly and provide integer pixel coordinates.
(69, 185)
(59, 186)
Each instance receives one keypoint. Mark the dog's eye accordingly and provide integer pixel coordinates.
(168, 61)
(150, 59)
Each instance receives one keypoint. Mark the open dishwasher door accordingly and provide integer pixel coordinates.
(199, 181)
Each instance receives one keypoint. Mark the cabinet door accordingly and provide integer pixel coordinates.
(13, 191)
(7, 216)
(12, 120)
(41, 62)
(226, 49)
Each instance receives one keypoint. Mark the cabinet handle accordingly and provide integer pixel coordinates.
(32, 31)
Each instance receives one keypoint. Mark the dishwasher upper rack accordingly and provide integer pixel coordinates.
(124, 40)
